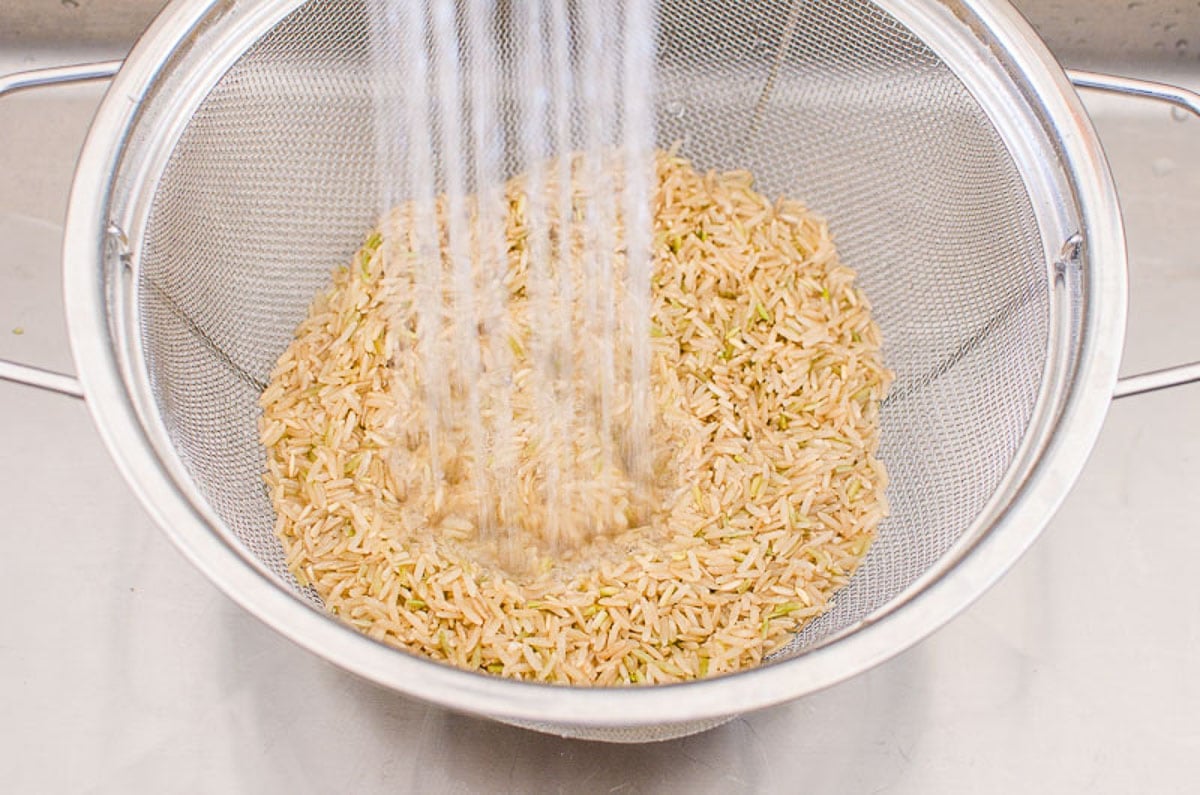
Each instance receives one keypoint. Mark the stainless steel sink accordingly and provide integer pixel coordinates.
(125, 670)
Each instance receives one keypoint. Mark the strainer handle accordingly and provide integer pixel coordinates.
(1181, 98)
(58, 75)
(1163, 92)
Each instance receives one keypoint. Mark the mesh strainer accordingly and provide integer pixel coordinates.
(231, 166)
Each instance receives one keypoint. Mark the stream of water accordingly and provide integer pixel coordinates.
(531, 304)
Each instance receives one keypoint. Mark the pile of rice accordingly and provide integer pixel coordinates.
(767, 375)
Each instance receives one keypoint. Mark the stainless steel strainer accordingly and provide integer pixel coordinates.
(232, 165)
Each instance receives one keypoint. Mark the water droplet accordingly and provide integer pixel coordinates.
(1179, 114)
(1135, 4)
(1181, 45)
(1162, 166)
(675, 109)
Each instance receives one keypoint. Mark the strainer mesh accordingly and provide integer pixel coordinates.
(273, 183)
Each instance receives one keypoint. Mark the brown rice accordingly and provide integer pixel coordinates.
(768, 376)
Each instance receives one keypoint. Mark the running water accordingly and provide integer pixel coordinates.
(528, 303)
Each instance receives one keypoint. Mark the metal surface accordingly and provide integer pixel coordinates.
(171, 368)
(1032, 684)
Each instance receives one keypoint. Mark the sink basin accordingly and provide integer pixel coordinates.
(1020, 683)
